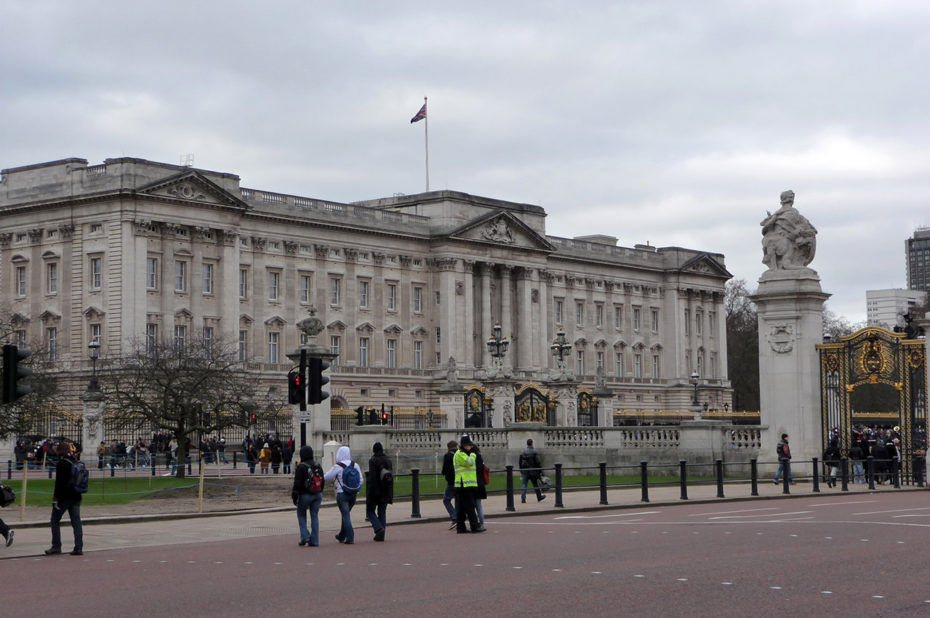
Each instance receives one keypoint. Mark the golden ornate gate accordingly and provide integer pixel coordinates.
(875, 378)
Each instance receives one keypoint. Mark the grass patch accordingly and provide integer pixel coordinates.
(101, 491)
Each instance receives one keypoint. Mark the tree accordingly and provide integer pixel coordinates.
(742, 345)
(837, 326)
(190, 389)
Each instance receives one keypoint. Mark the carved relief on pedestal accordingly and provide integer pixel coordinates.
(781, 338)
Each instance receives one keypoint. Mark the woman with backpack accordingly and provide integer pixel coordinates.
(380, 490)
(347, 476)
(307, 495)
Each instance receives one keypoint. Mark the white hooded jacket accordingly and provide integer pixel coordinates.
(343, 455)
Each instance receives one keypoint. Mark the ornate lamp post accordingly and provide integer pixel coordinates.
(94, 347)
(497, 347)
(560, 348)
(696, 381)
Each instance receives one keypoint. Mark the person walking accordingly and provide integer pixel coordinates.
(5, 530)
(287, 453)
(264, 458)
(307, 495)
(380, 490)
(784, 460)
(448, 471)
(65, 498)
(466, 486)
(347, 476)
(531, 469)
(276, 457)
(251, 456)
(831, 458)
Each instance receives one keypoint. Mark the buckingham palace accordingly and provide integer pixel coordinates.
(408, 288)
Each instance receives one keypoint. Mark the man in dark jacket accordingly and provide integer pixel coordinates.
(531, 468)
(307, 500)
(448, 471)
(783, 451)
(65, 499)
(380, 490)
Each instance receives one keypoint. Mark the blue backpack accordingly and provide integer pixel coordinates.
(351, 478)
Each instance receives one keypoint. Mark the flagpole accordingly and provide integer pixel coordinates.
(426, 140)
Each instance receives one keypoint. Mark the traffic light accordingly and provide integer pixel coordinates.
(360, 412)
(317, 380)
(12, 373)
(384, 418)
(295, 390)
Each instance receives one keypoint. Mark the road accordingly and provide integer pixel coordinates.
(829, 555)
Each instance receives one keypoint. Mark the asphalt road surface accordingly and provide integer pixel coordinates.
(841, 555)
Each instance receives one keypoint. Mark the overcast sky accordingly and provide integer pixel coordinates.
(676, 123)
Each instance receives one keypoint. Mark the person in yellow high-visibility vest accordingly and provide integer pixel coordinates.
(466, 486)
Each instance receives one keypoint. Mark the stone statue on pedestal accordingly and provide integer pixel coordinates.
(789, 241)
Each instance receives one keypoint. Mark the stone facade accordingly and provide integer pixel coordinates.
(132, 249)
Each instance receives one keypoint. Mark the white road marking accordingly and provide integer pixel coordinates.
(844, 503)
(556, 570)
(595, 572)
(759, 515)
(912, 515)
(726, 583)
(924, 508)
(682, 579)
(639, 575)
(772, 508)
(517, 567)
(372, 564)
(877, 596)
(775, 587)
(249, 562)
(606, 516)
(826, 592)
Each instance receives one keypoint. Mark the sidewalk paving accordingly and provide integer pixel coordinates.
(121, 532)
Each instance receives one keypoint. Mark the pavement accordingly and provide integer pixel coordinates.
(128, 531)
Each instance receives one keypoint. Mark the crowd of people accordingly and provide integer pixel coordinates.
(269, 453)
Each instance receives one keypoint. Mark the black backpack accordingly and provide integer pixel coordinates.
(79, 477)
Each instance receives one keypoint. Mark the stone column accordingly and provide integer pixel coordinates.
(467, 340)
(790, 311)
(541, 356)
(523, 357)
(485, 330)
(506, 313)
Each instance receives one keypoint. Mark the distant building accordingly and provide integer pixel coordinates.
(885, 307)
(917, 251)
(139, 250)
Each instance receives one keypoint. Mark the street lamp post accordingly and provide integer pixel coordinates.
(94, 347)
(560, 348)
(497, 347)
(696, 381)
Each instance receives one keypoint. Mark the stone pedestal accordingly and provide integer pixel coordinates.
(501, 392)
(92, 433)
(452, 406)
(790, 313)
(566, 394)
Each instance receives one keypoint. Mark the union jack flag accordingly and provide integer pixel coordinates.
(420, 115)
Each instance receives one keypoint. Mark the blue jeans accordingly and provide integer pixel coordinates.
(479, 511)
(312, 503)
(858, 471)
(345, 502)
(447, 501)
(74, 512)
(377, 515)
(784, 467)
(535, 480)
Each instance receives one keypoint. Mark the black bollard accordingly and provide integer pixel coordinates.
(918, 470)
(844, 473)
(415, 493)
(112, 470)
(9, 469)
(870, 461)
(235, 458)
(683, 478)
(189, 471)
(754, 477)
(603, 467)
(49, 471)
(896, 472)
(558, 485)
(719, 465)
(644, 480)
(816, 477)
(152, 467)
(510, 506)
